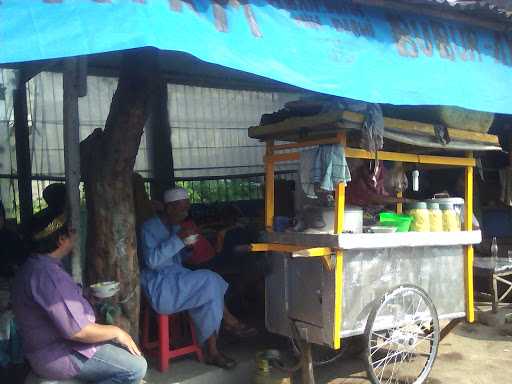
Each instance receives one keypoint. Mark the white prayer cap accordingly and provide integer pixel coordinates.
(175, 194)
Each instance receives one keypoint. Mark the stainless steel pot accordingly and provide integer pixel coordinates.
(352, 220)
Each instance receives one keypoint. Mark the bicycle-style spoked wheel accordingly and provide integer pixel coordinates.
(402, 335)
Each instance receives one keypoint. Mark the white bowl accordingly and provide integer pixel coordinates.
(105, 289)
(190, 240)
(382, 229)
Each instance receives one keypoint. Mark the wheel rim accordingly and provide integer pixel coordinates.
(403, 336)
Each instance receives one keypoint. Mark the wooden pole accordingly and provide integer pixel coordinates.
(308, 376)
(159, 141)
(269, 187)
(24, 167)
(72, 88)
(400, 195)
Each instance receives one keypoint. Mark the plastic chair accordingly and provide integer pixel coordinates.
(168, 327)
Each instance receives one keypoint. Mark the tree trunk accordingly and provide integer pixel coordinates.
(108, 159)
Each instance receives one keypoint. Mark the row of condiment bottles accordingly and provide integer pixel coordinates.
(434, 217)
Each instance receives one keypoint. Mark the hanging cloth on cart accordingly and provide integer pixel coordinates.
(330, 167)
(373, 128)
(323, 167)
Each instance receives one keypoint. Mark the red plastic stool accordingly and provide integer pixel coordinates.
(162, 348)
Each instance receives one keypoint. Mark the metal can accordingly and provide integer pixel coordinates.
(420, 217)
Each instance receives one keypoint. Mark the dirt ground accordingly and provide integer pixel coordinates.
(470, 354)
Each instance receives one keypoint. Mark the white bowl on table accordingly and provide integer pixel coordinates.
(105, 289)
(382, 229)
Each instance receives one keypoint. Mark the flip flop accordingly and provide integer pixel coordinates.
(221, 361)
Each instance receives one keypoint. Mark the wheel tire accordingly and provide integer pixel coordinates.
(404, 340)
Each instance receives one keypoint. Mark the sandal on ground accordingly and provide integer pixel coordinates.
(221, 361)
(241, 331)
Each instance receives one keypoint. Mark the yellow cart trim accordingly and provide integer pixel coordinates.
(306, 143)
(338, 300)
(399, 206)
(269, 188)
(468, 268)
(270, 158)
(313, 252)
(296, 250)
(272, 247)
(339, 208)
(338, 272)
(411, 158)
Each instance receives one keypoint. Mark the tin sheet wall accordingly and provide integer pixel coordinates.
(209, 125)
(369, 274)
(209, 128)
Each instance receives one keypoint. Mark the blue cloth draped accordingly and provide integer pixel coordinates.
(332, 47)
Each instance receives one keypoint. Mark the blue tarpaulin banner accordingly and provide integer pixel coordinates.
(333, 47)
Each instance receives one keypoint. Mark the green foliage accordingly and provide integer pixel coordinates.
(211, 191)
(200, 191)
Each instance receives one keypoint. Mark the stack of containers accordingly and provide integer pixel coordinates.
(436, 217)
(451, 221)
(420, 217)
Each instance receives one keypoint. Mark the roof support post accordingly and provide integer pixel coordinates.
(22, 136)
(159, 140)
(74, 83)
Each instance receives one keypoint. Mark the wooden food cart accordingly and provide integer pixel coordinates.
(393, 288)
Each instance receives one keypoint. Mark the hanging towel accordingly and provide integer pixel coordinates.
(373, 128)
(330, 167)
(306, 166)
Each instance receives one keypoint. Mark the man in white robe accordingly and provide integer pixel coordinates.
(172, 288)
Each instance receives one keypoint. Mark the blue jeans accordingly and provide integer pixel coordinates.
(111, 364)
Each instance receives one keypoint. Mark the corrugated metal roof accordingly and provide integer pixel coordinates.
(495, 6)
(498, 10)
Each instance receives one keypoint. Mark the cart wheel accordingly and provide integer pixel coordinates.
(402, 337)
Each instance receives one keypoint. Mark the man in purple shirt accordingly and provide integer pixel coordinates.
(60, 337)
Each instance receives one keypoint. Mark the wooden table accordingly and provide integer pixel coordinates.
(499, 275)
